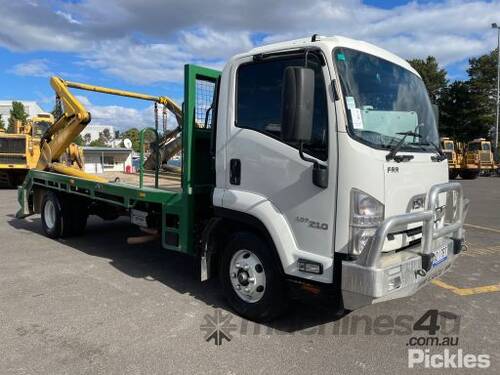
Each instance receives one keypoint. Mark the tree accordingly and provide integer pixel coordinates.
(102, 141)
(433, 76)
(98, 143)
(2, 123)
(17, 113)
(87, 138)
(57, 111)
(79, 140)
(483, 86)
(133, 135)
(106, 135)
(460, 116)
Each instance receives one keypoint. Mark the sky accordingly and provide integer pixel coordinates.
(143, 45)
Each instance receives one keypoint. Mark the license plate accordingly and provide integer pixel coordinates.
(139, 218)
(440, 256)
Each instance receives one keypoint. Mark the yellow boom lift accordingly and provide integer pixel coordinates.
(75, 118)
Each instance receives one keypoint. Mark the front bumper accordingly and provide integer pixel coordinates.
(375, 277)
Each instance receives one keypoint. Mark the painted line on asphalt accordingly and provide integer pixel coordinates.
(482, 228)
(467, 291)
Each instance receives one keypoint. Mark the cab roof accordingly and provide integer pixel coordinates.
(330, 42)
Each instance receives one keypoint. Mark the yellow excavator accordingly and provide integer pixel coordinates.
(58, 138)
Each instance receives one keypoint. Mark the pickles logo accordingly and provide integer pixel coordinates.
(218, 327)
(446, 359)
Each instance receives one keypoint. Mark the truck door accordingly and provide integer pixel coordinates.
(259, 162)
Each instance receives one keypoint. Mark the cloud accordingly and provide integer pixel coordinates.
(137, 63)
(145, 63)
(32, 68)
(149, 41)
(123, 118)
(34, 26)
(68, 17)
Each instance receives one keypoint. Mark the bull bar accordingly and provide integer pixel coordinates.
(375, 276)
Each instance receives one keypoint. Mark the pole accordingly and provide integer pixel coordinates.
(498, 88)
(141, 159)
(157, 148)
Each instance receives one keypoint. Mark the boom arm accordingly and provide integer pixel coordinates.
(75, 118)
(166, 101)
(60, 135)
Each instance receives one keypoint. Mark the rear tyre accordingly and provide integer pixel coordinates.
(453, 174)
(15, 179)
(63, 216)
(251, 278)
(52, 217)
(469, 174)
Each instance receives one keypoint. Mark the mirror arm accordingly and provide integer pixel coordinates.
(320, 172)
(302, 156)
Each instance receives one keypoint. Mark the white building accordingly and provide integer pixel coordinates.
(106, 159)
(31, 108)
(92, 132)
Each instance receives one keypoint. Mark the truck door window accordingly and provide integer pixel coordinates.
(258, 101)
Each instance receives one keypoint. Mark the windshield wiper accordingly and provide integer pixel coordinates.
(394, 150)
(440, 153)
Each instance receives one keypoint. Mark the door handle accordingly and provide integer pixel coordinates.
(235, 171)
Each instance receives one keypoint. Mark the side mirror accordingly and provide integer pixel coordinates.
(297, 104)
(297, 115)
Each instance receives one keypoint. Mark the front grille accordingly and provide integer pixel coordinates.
(12, 145)
(12, 159)
(408, 232)
(484, 156)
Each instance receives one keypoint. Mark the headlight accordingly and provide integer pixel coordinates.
(367, 214)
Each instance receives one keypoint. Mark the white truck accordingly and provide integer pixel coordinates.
(325, 173)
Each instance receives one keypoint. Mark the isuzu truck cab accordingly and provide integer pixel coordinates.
(321, 168)
(350, 193)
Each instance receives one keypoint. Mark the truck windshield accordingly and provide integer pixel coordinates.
(383, 99)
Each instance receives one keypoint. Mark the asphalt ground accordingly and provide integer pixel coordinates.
(95, 305)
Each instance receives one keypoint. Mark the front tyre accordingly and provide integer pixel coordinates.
(251, 278)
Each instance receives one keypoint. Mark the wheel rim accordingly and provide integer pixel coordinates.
(49, 213)
(247, 276)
